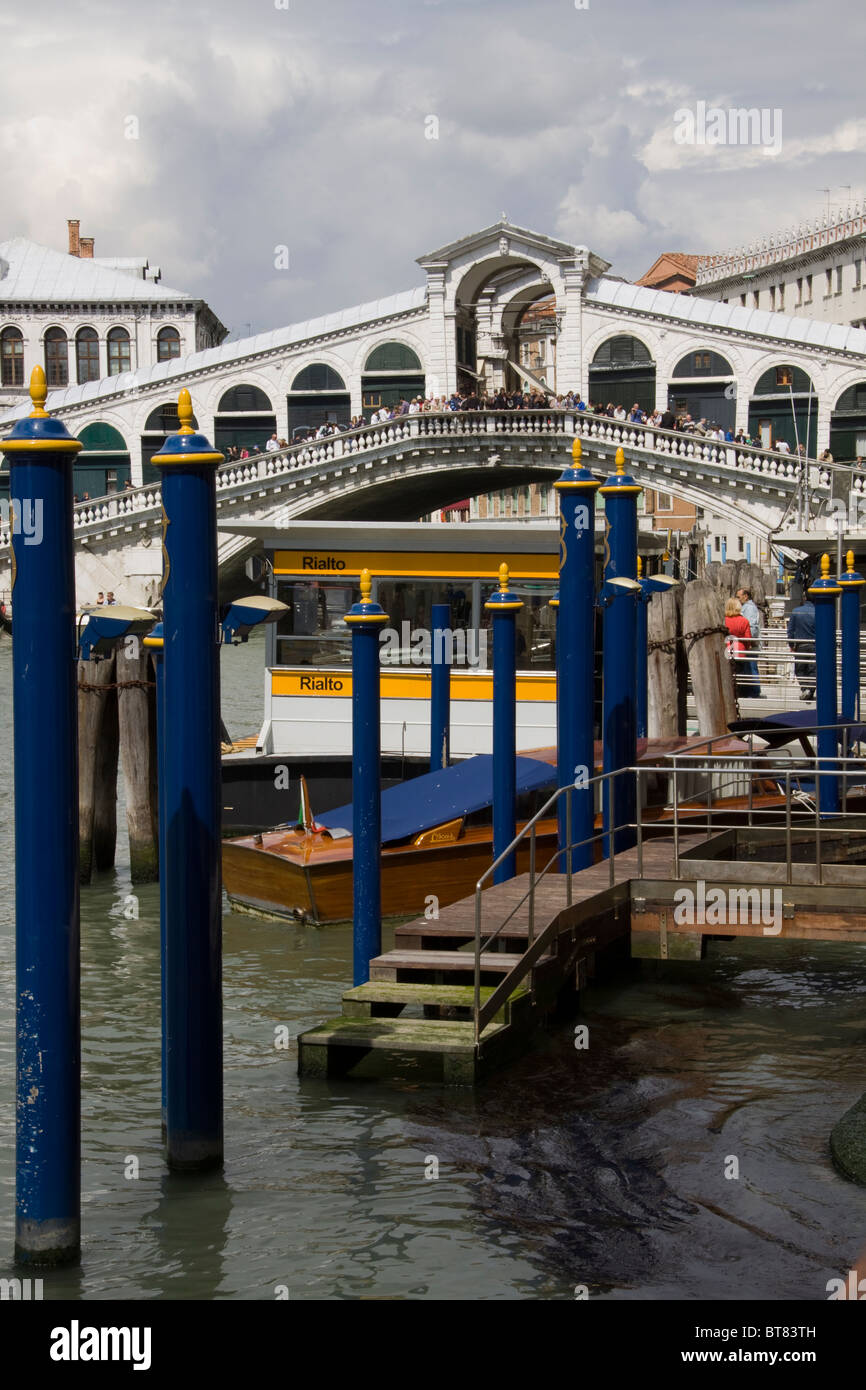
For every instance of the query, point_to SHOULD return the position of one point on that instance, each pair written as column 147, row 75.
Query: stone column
column 437, row 377
column 569, row 374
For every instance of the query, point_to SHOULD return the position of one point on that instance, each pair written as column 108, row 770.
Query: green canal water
column 604, row 1167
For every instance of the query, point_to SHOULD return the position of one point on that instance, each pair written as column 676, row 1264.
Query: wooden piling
column 97, row 718
column 105, row 785
column 711, row 672
column 137, row 721
column 662, row 635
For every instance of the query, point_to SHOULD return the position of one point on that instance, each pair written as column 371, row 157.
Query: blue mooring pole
column 47, row 924
column 440, row 687
column 154, row 643
column 192, row 1022
column 619, row 653
column 365, row 619
column 850, row 583
column 575, row 658
column 503, row 607
column 824, row 593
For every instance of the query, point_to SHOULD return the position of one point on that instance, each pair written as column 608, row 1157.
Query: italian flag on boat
column 306, row 820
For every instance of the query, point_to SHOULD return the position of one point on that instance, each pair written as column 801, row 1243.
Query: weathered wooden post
column 824, row 593
column 575, row 658
column 192, row 800
column 850, row 583
column 137, row 727
column 619, row 655
column 662, row 693
column 654, row 584
column 97, row 765
column 704, row 636
column 41, row 451
column 440, row 687
column 503, row 607
column 365, row 618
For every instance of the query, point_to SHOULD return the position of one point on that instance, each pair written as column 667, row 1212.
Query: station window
column 808, row 289
column 12, row 357
column 536, row 624
column 56, row 357
column 664, row 502
column 119, row 352
column 839, row 279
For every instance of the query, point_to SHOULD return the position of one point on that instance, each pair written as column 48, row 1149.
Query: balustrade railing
column 699, row 453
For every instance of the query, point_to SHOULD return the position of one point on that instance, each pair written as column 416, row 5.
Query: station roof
column 34, row 274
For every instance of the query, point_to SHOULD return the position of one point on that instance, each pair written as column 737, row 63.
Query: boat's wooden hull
column 320, row 891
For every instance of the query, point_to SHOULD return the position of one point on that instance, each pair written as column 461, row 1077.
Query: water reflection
column 603, row 1168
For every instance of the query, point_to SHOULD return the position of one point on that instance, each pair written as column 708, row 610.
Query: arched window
column 318, row 377
column 240, row 400
column 102, row 438
column 56, row 357
column 167, row 344
column 87, row 355
column 781, row 381
column 393, row 357
column 12, row 357
column 165, row 420
column 703, row 363
column 119, row 352
column 621, row 351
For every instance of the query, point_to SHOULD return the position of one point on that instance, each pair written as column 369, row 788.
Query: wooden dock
column 416, row 1015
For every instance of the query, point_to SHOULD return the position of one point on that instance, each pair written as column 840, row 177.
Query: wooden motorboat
column 437, row 839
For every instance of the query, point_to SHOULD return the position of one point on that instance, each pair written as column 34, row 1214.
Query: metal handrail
column 788, row 770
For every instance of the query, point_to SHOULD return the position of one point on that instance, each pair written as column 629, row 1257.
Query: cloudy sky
column 207, row 135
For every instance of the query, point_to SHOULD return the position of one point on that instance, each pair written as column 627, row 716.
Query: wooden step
column 386, row 998
column 399, row 1034
column 446, row 962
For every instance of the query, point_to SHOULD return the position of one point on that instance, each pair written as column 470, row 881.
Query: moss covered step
column 400, row 1034
column 388, row 997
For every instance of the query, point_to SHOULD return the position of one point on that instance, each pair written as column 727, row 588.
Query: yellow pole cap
column 38, row 392
column 503, row 578
column 577, row 452
column 639, row 567
column 619, row 460
column 825, row 566
column 366, row 586
column 849, row 561
column 184, row 410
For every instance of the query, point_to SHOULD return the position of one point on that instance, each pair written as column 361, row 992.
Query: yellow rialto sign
column 411, row 564
column 405, row 684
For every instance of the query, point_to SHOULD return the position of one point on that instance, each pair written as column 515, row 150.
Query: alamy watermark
column 740, row 125
column 414, row 646
column 23, row 517
column 728, row 907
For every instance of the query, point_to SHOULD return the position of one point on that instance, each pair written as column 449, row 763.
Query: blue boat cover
column 422, row 802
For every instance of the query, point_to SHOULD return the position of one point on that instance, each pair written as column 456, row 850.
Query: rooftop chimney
column 86, row 245
column 74, row 246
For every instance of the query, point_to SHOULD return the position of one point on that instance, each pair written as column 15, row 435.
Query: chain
column 669, row 644
column 119, row 685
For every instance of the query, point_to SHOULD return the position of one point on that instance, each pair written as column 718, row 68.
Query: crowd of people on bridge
column 678, row 422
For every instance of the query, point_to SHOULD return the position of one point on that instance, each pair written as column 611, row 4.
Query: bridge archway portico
column 458, row 275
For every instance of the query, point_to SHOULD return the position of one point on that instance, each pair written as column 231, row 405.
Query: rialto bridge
column 416, row 464
column 770, row 374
